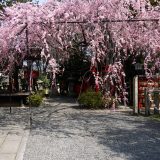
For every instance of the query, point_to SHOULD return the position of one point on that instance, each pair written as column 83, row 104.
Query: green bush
column 109, row 100
column 46, row 81
column 91, row 99
column 41, row 93
column 35, row 99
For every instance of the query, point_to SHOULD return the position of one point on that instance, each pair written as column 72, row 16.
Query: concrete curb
column 22, row 146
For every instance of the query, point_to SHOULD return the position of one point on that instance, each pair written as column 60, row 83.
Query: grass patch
column 155, row 117
column 91, row 99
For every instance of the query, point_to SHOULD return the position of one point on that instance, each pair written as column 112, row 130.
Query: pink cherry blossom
column 111, row 29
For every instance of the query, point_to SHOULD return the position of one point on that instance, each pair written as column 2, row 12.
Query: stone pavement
column 13, row 133
column 12, row 142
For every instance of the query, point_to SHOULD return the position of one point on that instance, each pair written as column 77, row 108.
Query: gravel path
column 62, row 131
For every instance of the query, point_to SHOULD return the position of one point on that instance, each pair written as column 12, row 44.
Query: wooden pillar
column 15, row 79
column 147, row 102
column 156, row 102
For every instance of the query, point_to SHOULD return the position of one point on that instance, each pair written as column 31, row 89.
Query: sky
column 41, row 1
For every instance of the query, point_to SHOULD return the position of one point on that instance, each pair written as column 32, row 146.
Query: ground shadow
column 125, row 136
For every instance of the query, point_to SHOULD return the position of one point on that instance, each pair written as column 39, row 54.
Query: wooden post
column 156, row 102
column 15, row 78
column 10, row 107
column 147, row 103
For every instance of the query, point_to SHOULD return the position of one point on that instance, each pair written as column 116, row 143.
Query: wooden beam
column 109, row 21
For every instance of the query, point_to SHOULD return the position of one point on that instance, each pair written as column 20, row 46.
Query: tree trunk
column 15, row 78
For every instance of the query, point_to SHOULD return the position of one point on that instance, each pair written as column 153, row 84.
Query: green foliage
column 41, row 93
column 46, row 81
column 108, row 101
column 91, row 99
column 155, row 117
column 5, row 3
column 35, row 99
column 154, row 2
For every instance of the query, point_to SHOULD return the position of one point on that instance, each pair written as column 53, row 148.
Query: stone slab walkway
column 13, row 133
column 12, row 142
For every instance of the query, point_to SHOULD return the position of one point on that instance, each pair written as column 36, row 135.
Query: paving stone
column 14, row 137
column 1, row 140
column 22, row 146
column 7, row 156
column 12, row 133
column 10, row 146
column 3, row 133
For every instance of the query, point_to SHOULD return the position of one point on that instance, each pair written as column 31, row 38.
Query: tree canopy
column 5, row 3
column 108, row 31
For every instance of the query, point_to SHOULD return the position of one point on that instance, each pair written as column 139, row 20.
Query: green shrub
column 91, row 99
column 41, row 93
column 35, row 99
column 46, row 81
column 109, row 100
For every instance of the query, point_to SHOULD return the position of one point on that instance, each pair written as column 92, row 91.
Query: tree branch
column 110, row 21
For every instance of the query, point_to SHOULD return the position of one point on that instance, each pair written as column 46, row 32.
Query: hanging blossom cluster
column 54, row 67
column 20, row 31
column 111, row 30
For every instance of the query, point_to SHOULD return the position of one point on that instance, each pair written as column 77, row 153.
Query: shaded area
column 60, row 131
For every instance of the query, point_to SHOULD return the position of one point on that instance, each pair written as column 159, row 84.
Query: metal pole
column 30, row 88
column 30, row 78
column 10, row 88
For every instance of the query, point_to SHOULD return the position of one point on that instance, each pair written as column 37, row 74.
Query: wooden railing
column 9, row 99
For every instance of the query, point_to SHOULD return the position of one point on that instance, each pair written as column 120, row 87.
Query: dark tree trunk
column 15, row 79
